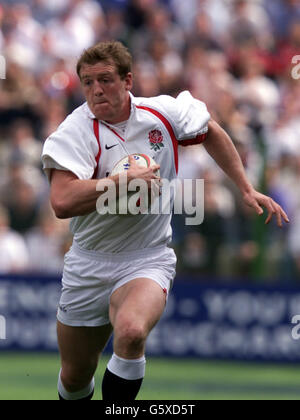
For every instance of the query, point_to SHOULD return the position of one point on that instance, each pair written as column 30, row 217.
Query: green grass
column 34, row 377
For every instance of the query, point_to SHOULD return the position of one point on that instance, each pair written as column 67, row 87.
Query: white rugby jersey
column 90, row 149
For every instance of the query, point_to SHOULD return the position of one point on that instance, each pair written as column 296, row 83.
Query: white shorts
column 90, row 278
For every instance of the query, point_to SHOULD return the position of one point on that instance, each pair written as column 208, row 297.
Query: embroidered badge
column 156, row 140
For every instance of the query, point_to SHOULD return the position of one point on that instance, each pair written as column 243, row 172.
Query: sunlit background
column 237, row 288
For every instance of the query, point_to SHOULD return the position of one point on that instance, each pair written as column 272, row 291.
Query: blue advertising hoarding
column 229, row 322
column 203, row 320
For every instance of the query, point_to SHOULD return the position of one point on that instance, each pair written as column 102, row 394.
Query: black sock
column 115, row 388
column 88, row 398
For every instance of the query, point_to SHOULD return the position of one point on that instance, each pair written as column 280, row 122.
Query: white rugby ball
column 141, row 159
column 124, row 202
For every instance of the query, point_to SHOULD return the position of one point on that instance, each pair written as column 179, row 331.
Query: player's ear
column 129, row 81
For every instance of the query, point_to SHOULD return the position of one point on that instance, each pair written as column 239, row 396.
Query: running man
column 119, row 271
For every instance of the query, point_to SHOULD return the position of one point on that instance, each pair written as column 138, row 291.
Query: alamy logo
column 2, row 67
column 296, row 68
column 2, row 328
column 136, row 197
column 296, row 329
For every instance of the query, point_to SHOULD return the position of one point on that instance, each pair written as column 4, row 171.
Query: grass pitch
column 34, row 377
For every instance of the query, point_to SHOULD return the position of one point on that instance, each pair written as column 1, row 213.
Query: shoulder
column 73, row 145
column 80, row 117
column 175, row 108
column 187, row 115
column 162, row 101
column 75, row 126
column 74, row 133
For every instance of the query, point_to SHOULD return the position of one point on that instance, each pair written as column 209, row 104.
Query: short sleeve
column 189, row 117
column 71, row 148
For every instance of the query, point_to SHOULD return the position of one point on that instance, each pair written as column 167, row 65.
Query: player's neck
column 124, row 114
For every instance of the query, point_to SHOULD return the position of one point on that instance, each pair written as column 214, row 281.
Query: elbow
column 61, row 213
column 61, row 209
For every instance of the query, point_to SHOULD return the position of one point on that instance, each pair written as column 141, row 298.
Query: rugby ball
column 141, row 159
column 124, row 205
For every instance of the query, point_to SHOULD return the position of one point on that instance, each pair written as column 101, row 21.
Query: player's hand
column 136, row 171
column 259, row 201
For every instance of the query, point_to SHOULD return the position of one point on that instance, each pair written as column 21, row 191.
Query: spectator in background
column 44, row 10
column 202, row 246
column 136, row 12
column 76, row 28
column 20, row 199
column 116, row 27
column 257, row 93
column 21, row 143
column 169, row 65
column 146, row 82
column 1, row 21
column 48, row 242
column 114, row 4
column 16, row 173
column 20, row 97
column 201, row 33
column 288, row 48
column 158, row 25
column 159, row 44
column 23, row 34
column 234, row 55
column 282, row 13
column 249, row 22
column 13, row 253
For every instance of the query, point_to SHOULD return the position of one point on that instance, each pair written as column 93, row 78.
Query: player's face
column 106, row 93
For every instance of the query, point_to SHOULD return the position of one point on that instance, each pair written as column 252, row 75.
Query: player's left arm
column 221, row 148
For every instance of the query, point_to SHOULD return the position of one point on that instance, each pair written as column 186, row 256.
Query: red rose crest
column 156, row 140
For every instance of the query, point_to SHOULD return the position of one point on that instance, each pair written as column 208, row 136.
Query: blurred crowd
column 235, row 55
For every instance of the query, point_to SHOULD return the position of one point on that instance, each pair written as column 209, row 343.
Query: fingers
column 259, row 210
column 271, row 212
column 149, row 174
column 131, row 160
column 284, row 216
column 155, row 168
column 274, row 210
column 280, row 215
column 258, row 201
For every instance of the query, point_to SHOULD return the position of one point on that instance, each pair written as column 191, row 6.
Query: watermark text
column 296, row 68
column 2, row 67
column 184, row 197
column 2, row 328
column 296, row 329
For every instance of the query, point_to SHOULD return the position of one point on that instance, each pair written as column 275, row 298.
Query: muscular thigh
column 81, row 346
column 141, row 300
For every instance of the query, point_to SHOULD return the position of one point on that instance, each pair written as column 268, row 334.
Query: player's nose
column 98, row 90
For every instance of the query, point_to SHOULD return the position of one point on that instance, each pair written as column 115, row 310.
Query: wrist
column 246, row 189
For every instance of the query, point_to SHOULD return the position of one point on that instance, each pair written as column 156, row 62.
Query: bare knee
column 76, row 378
column 130, row 338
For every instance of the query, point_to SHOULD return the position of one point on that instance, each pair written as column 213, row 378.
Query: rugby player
column 119, row 270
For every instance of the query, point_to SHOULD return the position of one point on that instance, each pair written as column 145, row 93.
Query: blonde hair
column 110, row 51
